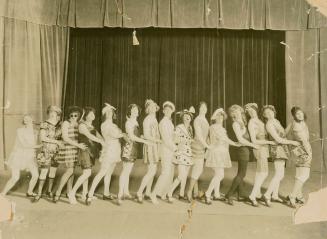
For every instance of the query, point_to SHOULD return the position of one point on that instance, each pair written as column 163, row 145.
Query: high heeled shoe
column 109, row 197
column 49, row 195
column 207, row 200
column 220, row 198
column 170, row 199
column 55, row 198
column 253, row 202
column 291, row 201
column 139, row 198
column 267, row 201
column 229, row 201
column 300, row 200
column 182, row 198
column 88, row 200
column 119, row 201
column 278, row 199
column 32, row 195
column 36, row 198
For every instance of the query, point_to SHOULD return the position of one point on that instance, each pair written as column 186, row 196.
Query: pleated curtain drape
column 306, row 85
column 185, row 66
column 32, row 68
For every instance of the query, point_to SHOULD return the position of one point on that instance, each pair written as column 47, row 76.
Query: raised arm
column 199, row 134
column 239, row 136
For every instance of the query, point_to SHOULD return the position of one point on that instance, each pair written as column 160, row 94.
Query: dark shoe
column 182, row 198
column 49, row 195
column 221, row 198
column 55, row 198
column 229, row 201
column 108, row 198
column 241, row 199
column 36, row 198
column 147, row 197
column 300, row 200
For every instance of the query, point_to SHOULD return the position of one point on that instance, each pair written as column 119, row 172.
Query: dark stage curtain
column 185, row 66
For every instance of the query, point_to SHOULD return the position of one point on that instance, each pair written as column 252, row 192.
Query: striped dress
column 68, row 153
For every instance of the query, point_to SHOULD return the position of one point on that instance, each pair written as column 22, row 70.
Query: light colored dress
column 198, row 149
column 183, row 139
column 151, row 130
column 279, row 151
column 111, row 151
column 300, row 132
column 262, row 153
column 22, row 156
column 166, row 129
column 218, row 156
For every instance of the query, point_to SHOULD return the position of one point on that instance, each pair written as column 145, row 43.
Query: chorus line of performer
column 190, row 146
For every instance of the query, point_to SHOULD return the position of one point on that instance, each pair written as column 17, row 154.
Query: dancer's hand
column 82, row 146
column 295, row 143
column 271, row 143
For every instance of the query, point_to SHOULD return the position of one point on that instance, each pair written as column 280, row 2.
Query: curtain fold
column 304, row 69
column 32, row 66
column 231, row 14
column 185, row 66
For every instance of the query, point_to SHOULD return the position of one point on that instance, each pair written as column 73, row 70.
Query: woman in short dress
column 49, row 135
column 298, row 131
column 239, row 125
column 258, row 135
column 22, row 157
column 111, row 152
column 67, row 155
column 150, row 152
column 183, row 159
column 217, row 156
column 199, row 146
column 89, row 136
column 279, row 153
column 131, row 151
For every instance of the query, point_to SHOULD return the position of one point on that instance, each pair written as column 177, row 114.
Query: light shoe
column 71, row 198
column 154, row 199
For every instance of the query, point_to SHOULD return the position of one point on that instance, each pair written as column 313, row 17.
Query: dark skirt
column 85, row 159
column 243, row 153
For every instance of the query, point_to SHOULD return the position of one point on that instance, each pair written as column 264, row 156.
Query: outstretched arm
column 239, row 136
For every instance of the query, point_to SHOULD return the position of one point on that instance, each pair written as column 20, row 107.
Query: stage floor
column 104, row 219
